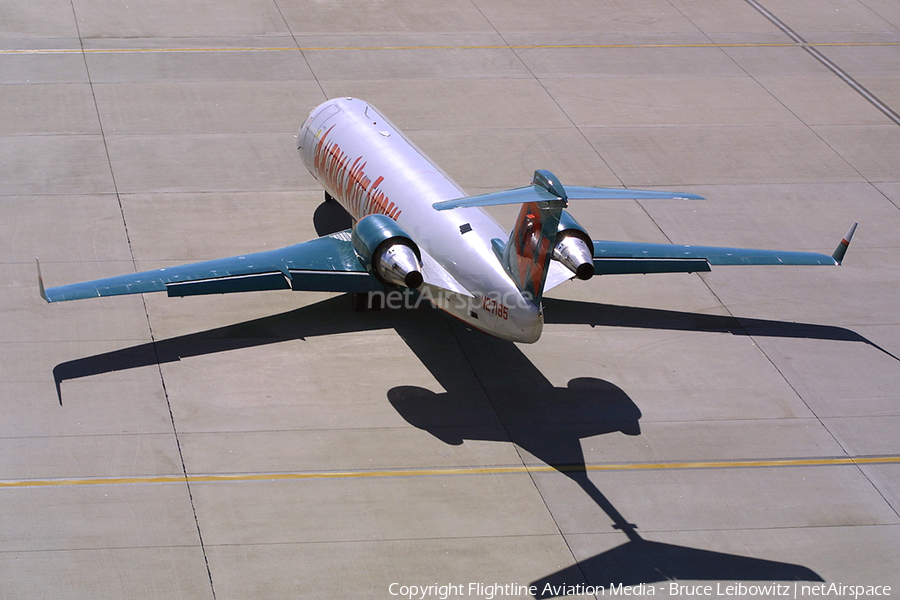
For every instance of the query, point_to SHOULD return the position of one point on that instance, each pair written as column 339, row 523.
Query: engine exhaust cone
column 399, row 265
column 414, row 279
column 574, row 253
column 585, row 271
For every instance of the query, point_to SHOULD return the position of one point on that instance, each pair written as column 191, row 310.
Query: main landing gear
column 366, row 300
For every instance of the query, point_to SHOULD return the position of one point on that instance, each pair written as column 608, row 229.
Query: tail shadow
column 641, row 561
column 548, row 422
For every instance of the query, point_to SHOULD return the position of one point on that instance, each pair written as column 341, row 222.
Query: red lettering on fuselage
column 346, row 178
column 495, row 308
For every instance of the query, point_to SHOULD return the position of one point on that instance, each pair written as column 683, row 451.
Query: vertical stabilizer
column 526, row 256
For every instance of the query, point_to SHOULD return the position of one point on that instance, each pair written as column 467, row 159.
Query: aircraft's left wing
column 612, row 258
column 326, row 264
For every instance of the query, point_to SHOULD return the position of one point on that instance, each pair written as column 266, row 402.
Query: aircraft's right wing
column 614, row 258
column 328, row 264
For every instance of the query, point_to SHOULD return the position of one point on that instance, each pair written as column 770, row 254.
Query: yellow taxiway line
column 498, row 470
column 435, row 47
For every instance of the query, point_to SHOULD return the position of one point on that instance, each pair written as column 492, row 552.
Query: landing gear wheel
column 359, row 301
column 366, row 300
column 376, row 301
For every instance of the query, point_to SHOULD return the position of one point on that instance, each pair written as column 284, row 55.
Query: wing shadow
column 609, row 315
column 329, row 317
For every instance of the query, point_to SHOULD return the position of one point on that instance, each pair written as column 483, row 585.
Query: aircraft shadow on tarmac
column 550, row 423
column 493, row 392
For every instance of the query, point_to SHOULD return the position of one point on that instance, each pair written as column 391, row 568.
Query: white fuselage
column 368, row 165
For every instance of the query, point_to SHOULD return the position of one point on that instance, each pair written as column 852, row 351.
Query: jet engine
column 387, row 251
column 574, row 247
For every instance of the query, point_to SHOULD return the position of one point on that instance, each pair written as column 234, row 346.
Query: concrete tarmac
column 736, row 428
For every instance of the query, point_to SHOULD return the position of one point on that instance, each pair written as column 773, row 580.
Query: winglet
column 41, row 280
column 841, row 250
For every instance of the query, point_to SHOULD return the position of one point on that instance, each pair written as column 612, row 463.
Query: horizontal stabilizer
column 595, row 193
column 530, row 194
column 546, row 187
column 514, row 196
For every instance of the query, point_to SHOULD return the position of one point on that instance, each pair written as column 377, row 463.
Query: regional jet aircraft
column 416, row 232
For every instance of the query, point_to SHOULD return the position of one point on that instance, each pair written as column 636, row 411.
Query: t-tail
column 542, row 231
column 527, row 253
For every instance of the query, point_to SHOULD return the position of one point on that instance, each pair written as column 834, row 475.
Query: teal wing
column 327, row 264
column 611, row 258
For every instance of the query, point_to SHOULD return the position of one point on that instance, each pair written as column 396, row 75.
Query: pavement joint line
column 825, row 61
column 445, row 471
column 440, row 47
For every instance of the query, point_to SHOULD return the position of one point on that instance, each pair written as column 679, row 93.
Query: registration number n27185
column 495, row 308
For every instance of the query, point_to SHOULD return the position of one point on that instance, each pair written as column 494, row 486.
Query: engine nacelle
column 387, row 251
column 574, row 247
